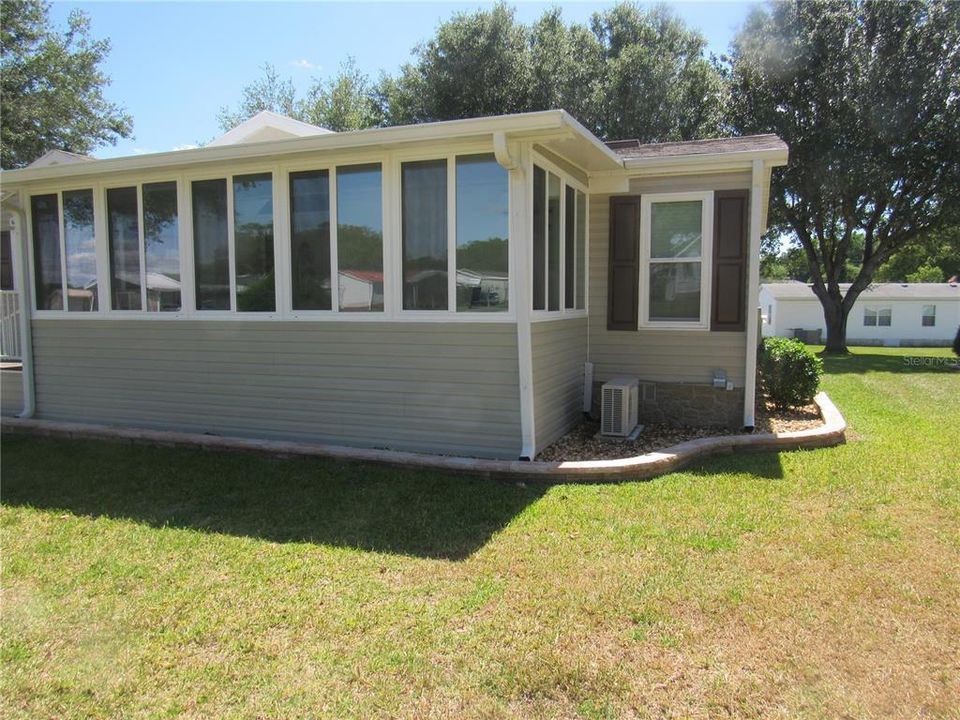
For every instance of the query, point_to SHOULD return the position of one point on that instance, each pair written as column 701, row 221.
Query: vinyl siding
column 650, row 354
column 559, row 350
column 431, row 387
column 11, row 392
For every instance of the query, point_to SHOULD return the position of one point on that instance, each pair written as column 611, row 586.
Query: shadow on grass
column 418, row 513
column 764, row 465
column 910, row 362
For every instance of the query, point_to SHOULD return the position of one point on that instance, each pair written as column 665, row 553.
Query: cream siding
column 559, row 350
column 652, row 354
column 433, row 387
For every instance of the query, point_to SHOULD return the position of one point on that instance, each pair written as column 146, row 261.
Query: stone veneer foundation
column 692, row 404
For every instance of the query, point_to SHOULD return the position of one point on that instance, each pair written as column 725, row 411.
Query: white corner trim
column 753, row 291
column 502, row 153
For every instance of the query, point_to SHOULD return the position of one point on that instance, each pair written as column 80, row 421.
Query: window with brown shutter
column 730, row 260
column 624, row 261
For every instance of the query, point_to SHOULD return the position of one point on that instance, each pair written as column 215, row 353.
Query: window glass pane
column 161, row 239
column 253, row 242
column 45, row 219
column 211, row 256
column 553, row 242
column 424, row 190
column 123, row 232
column 80, row 250
column 869, row 317
column 482, row 232
column 539, row 239
column 569, row 248
column 310, row 240
column 675, row 229
column 360, row 238
column 675, row 291
column 581, row 250
column 929, row 316
column 884, row 317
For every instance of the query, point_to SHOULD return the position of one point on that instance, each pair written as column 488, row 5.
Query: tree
column 52, row 86
column 657, row 85
column 270, row 92
column 866, row 95
column 938, row 251
column 344, row 102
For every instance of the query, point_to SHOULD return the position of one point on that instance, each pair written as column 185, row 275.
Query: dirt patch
column 583, row 443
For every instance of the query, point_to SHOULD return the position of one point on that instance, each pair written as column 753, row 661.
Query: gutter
column 22, row 273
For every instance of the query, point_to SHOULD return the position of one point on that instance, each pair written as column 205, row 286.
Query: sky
column 174, row 65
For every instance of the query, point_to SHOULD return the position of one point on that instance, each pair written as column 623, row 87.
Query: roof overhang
column 555, row 129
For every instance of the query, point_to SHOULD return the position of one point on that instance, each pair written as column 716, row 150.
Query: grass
column 158, row 582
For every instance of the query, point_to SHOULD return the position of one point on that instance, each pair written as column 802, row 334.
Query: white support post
column 20, row 251
column 521, row 247
column 753, row 290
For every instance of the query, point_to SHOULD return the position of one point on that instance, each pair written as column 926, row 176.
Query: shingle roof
column 633, row 149
column 877, row 291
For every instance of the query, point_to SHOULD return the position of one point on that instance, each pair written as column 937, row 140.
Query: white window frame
column 278, row 215
column 705, row 259
column 99, row 229
column 932, row 315
column 877, row 312
column 113, row 185
column 396, row 266
column 566, row 180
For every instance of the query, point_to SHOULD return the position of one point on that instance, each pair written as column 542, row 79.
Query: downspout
column 21, row 271
column 753, row 290
column 519, row 247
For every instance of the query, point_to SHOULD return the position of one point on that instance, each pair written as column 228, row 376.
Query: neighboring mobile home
column 455, row 287
column 913, row 314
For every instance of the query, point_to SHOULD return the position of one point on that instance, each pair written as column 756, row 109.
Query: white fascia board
column 711, row 162
column 522, row 124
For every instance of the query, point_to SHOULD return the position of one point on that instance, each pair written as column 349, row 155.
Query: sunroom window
column 476, row 256
column 144, row 266
column 675, row 242
column 65, row 272
column 251, row 287
column 559, row 243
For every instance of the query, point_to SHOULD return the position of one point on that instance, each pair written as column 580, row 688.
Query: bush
column 956, row 343
column 789, row 372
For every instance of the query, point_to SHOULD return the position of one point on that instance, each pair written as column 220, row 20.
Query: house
column 456, row 287
column 910, row 314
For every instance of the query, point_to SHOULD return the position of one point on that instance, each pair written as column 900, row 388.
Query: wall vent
column 619, row 398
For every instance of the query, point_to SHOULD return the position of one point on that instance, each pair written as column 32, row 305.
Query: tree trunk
column 835, row 316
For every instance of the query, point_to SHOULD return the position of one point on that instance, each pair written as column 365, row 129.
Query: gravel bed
column 582, row 442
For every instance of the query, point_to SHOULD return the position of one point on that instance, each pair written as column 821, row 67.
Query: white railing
column 10, row 324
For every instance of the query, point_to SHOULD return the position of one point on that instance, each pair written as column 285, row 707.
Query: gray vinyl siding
column 432, row 387
column 651, row 354
column 11, row 392
column 559, row 350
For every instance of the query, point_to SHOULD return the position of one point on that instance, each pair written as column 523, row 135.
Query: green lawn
column 155, row 582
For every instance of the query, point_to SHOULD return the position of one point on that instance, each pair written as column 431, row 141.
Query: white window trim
column 451, row 314
column 565, row 180
column 104, row 188
column 705, row 260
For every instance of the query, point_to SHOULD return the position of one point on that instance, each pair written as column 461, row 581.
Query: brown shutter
column 729, row 260
column 624, row 264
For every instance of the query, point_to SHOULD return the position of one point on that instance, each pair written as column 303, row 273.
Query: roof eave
column 774, row 157
column 526, row 124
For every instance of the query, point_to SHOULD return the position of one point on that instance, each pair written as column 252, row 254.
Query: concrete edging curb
column 832, row 432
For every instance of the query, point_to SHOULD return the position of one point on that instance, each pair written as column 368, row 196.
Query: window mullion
column 141, row 239
column 451, row 233
column 334, row 235
column 64, row 299
column 231, row 250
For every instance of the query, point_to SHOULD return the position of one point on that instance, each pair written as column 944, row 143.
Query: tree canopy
column 630, row 73
column 867, row 96
column 51, row 85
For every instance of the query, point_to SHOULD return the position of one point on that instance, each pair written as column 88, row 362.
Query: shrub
column 789, row 372
column 956, row 343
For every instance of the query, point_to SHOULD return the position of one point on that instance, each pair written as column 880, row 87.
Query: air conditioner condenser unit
column 619, row 406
